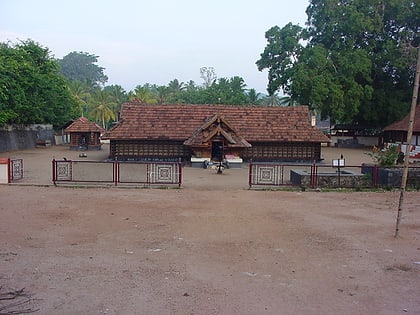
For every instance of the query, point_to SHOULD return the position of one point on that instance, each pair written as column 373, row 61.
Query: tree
column 354, row 61
column 81, row 93
column 208, row 74
column 103, row 107
column 254, row 98
column 175, row 90
column 143, row 94
column 117, row 94
column 224, row 91
column 272, row 100
column 31, row 88
column 162, row 94
column 81, row 66
column 280, row 55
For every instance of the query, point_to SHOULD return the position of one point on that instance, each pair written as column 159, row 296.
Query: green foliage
column 102, row 107
column 80, row 66
column 226, row 91
column 387, row 157
column 144, row 94
column 354, row 61
column 280, row 54
column 231, row 91
column 31, row 88
column 117, row 95
column 254, row 98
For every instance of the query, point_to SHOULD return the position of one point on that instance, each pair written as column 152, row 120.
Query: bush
column 387, row 157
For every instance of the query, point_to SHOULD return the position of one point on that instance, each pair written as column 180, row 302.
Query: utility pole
column 408, row 143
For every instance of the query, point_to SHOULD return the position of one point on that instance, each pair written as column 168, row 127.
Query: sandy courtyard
column 211, row 247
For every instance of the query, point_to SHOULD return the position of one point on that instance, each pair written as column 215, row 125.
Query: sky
column 155, row 41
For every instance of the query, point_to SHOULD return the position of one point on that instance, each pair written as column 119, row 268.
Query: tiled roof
column 180, row 122
column 82, row 124
column 216, row 125
column 402, row 125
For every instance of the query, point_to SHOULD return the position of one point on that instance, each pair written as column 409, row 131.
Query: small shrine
column 84, row 134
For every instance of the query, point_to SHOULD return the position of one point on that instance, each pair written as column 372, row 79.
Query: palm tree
column 162, row 93
column 81, row 93
column 117, row 94
column 103, row 107
column 287, row 101
column 254, row 97
column 175, row 86
column 143, row 94
column 276, row 100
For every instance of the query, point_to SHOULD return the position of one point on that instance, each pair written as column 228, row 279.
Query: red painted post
column 54, row 172
column 375, row 176
column 180, row 173
column 250, row 174
column 314, row 175
column 9, row 171
column 116, row 172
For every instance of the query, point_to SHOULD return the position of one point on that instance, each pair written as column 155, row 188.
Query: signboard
column 338, row 163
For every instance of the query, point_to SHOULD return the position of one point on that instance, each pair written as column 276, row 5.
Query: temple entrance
column 84, row 141
column 217, row 151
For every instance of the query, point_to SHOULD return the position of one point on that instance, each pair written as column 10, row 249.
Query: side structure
column 396, row 133
column 214, row 132
column 84, row 134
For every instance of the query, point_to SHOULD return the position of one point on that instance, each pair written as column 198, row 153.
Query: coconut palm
column 276, row 100
column 143, row 94
column 254, row 97
column 175, row 86
column 103, row 107
column 81, row 93
column 162, row 94
column 117, row 94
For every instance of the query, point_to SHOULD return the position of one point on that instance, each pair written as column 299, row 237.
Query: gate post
column 179, row 172
column 54, row 175
column 116, row 170
column 314, row 175
column 250, row 174
column 375, row 173
column 9, row 171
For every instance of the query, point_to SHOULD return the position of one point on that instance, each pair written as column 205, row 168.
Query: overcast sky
column 155, row 41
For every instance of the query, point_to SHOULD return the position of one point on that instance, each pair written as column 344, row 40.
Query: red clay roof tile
column 180, row 121
column 82, row 124
column 402, row 125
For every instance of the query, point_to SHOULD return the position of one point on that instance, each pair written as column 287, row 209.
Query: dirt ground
column 211, row 247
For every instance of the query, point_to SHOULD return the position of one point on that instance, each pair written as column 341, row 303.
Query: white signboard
column 338, row 163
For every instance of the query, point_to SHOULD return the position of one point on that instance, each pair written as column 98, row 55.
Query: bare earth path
column 212, row 247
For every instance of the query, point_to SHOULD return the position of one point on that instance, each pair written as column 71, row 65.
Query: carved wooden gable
column 216, row 128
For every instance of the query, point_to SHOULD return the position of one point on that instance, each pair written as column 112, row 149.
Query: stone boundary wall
column 331, row 180
column 391, row 177
column 14, row 138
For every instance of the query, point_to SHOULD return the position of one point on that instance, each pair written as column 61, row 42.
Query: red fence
column 117, row 172
column 321, row 175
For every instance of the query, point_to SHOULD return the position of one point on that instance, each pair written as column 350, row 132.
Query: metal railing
column 321, row 175
column 117, row 172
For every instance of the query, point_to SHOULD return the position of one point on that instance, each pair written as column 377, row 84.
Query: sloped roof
column 402, row 125
column 216, row 125
column 181, row 121
column 83, row 124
